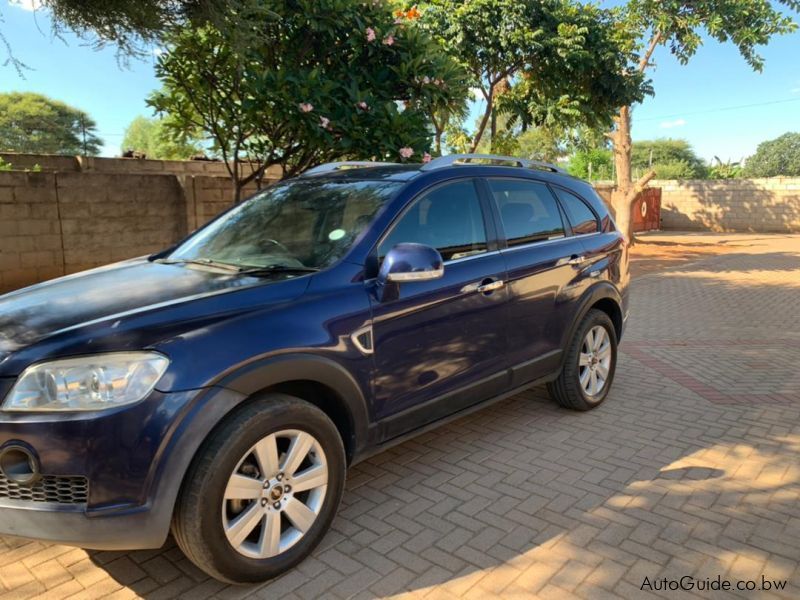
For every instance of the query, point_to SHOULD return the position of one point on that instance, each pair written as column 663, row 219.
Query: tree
column 724, row 170
column 133, row 25
column 780, row 156
column 668, row 158
column 337, row 79
column 154, row 139
column 540, row 63
column 36, row 124
column 680, row 26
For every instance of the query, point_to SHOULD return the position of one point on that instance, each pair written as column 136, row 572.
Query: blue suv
column 220, row 389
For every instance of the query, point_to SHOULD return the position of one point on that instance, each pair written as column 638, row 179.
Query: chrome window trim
column 543, row 242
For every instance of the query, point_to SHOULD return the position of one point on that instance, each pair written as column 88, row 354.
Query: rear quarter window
column 581, row 216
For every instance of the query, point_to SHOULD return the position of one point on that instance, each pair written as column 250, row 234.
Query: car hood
column 32, row 314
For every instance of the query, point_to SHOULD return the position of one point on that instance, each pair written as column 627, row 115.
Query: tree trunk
column 626, row 191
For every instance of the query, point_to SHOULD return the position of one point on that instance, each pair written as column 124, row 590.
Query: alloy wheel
column 275, row 493
column 594, row 362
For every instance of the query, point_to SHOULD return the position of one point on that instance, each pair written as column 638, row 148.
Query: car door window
column 581, row 217
column 448, row 218
column 528, row 211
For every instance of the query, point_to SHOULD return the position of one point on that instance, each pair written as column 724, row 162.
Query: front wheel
column 262, row 491
column 591, row 360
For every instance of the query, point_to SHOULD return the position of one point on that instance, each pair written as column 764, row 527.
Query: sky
column 716, row 101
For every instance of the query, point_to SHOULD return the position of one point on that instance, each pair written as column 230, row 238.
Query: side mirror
column 411, row 262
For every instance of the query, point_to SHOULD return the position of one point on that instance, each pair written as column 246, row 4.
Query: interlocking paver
column 690, row 468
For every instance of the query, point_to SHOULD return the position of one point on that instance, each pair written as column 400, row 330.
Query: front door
column 440, row 345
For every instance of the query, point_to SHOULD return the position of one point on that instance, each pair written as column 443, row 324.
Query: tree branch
column 651, row 47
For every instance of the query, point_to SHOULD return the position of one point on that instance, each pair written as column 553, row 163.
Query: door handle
column 576, row 260
column 491, row 286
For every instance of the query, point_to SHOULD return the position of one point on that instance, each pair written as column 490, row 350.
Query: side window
column 448, row 218
column 528, row 210
column 580, row 216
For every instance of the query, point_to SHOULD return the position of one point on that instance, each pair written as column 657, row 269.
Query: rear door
column 543, row 262
column 440, row 345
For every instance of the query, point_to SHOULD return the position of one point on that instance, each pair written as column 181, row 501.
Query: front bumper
column 134, row 460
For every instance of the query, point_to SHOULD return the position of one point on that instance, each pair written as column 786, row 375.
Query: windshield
column 299, row 224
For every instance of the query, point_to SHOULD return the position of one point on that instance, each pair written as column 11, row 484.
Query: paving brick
column 689, row 468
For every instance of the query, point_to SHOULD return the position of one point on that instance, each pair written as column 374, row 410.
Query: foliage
column 669, row 158
column 681, row 25
column 517, row 53
column 724, row 170
column 324, row 80
column 34, row 123
column 780, row 156
column 154, row 139
column 595, row 164
column 133, row 25
column 5, row 166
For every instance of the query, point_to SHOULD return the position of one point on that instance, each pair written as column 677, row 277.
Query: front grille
column 50, row 488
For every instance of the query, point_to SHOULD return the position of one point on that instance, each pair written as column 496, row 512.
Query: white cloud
column 26, row 4
column 671, row 124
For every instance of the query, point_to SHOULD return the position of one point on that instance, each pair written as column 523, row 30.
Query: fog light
column 19, row 465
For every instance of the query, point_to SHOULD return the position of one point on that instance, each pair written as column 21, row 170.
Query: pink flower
column 406, row 152
column 370, row 34
column 426, row 158
column 324, row 122
column 306, row 107
column 363, row 105
column 389, row 40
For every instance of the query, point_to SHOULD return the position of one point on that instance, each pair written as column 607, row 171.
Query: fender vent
column 50, row 488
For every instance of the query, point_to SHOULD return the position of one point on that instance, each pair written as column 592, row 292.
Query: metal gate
column 646, row 211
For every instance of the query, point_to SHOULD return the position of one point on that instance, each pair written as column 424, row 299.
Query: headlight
column 87, row 383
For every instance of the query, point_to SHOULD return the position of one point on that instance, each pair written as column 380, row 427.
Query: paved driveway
column 691, row 468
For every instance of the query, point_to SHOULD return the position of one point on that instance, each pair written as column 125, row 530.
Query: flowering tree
column 310, row 82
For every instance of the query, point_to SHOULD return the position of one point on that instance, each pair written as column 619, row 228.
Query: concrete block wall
column 30, row 238
column 735, row 205
column 57, row 223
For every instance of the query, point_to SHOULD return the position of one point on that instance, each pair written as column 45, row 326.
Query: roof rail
column 455, row 159
column 345, row 164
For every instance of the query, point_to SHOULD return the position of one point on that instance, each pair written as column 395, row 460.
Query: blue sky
column 709, row 102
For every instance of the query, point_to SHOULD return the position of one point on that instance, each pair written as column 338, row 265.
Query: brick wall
column 746, row 205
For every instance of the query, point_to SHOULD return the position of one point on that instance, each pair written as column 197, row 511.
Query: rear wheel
column 591, row 360
column 262, row 492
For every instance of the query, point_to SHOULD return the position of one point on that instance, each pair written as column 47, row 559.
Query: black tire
column 567, row 389
column 197, row 523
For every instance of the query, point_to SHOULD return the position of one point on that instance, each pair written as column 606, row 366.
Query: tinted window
column 528, row 210
column 580, row 216
column 448, row 218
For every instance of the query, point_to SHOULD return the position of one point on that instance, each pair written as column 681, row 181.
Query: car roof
column 475, row 164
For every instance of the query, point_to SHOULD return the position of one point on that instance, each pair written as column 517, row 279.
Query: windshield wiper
column 206, row 262
column 270, row 269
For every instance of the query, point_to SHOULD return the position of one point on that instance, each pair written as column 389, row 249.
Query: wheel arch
column 318, row 380
column 602, row 296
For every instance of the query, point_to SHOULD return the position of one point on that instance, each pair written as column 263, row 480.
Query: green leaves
column 320, row 81
column 34, row 123
column 780, row 156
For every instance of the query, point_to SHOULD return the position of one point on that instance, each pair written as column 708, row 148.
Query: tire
column 572, row 389
column 227, row 489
